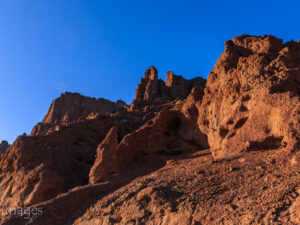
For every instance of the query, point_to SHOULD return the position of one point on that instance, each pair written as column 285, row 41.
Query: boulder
column 251, row 99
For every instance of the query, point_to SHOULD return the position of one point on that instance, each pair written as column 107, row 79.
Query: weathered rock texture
column 153, row 91
column 165, row 134
column 251, row 100
column 70, row 107
column 38, row 168
column 3, row 146
column 60, row 152
column 96, row 163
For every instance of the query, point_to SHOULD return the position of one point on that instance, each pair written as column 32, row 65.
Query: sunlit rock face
column 70, row 107
column 251, row 100
column 153, row 91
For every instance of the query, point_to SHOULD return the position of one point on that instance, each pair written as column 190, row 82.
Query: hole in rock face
column 268, row 143
column 230, row 122
column 240, row 123
column 223, row 132
column 243, row 108
column 232, row 134
column 246, row 98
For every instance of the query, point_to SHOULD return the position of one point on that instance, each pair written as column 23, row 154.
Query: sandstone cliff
column 70, row 107
column 183, row 153
column 60, row 152
column 251, row 100
column 152, row 91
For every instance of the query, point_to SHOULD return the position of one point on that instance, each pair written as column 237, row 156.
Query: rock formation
column 251, row 100
column 161, row 135
column 3, row 146
column 182, row 153
column 70, row 107
column 152, row 91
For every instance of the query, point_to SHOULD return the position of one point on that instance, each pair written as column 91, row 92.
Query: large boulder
column 251, row 100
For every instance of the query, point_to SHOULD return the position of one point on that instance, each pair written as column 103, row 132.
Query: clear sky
column 102, row 48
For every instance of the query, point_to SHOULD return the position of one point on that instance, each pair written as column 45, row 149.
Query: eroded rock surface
column 152, row 163
column 164, row 134
column 251, row 100
column 70, row 107
column 153, row 91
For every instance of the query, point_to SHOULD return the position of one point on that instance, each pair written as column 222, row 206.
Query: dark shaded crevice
column 240, row 123
column 269, row 143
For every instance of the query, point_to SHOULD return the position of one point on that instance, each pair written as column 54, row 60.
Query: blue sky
column 102, row 48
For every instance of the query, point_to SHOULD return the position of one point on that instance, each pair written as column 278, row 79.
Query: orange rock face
column 70, row 107
column 158, row 161
column 153, row 91
column 251, row 100
column 165, row 134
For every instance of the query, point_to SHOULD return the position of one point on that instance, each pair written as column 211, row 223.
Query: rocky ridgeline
column 86, row 148
column 70, row 107
column 153, row 91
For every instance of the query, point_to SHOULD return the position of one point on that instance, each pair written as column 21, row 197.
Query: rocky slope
column 181, row 153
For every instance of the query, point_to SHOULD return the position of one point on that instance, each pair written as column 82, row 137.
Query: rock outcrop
column 3, row 146
column 70, row 107
column 165, row 134
column 251, row 100
column 153, row 91
column 157, row 162
column 38, row 168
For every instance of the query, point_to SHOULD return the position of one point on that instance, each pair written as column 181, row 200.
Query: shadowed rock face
column 251, row 100
column 3, row 146
column 60, row 152
column 38, row 168
column 70, row 107
column 165, row 134
column 152, row 91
